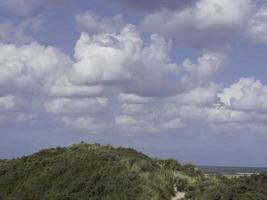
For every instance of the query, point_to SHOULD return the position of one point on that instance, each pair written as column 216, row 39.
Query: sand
column 178, row 195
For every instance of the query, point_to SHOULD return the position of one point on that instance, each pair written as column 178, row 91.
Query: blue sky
column 181, row 79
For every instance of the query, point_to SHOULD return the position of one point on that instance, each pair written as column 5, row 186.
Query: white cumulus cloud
column 29, row 67
column 204, row 24
column 248, row 94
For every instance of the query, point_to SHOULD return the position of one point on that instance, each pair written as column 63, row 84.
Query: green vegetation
column 92, row 172
column 95, row 172
column 223, row 188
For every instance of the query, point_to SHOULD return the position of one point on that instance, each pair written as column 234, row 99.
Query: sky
column 180, row 79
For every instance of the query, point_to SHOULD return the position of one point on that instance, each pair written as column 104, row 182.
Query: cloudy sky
column 185, row 79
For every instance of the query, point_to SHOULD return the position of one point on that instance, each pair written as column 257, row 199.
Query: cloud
column 133, row 109
column 21, row 32
column 20, row 7
column 207, row 23
column 156, row 4
column 120, row 80
column 236, row 109
column 83, row 123
column 24, row 117
column 173, row 124
column 117, row 79
column 17, row 117
column 240, row 107
column 206, row 95
column 29, row 67
column 133, row 98
column 62, row 87
column 100, row 58
column 202, row 72
column 93, row 24
column 76, row 106
column 257, row 27
column 125, row 120
column 87, row 124
column 25, row 7
column 248, row 94
column 123, row 59
column 213, row 114
column 7, row 102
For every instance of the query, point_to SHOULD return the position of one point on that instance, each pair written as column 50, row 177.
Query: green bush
column 83, row 172
column 222, row 188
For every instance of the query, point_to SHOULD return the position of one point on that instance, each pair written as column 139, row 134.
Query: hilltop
column 94, row 172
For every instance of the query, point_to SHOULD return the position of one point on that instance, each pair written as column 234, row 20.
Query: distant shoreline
column 232, row 170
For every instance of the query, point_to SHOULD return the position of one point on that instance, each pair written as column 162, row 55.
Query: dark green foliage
column 95, row 172
column 84, row 172
column 222, row 188
column 181, row 184
column 191, row 170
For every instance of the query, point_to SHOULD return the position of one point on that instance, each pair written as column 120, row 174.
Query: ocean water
column 232, row 170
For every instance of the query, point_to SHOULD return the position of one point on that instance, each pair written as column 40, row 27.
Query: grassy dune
column 92, row 172
column 95, row 172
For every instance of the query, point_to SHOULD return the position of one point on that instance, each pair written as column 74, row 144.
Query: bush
column 85, row 171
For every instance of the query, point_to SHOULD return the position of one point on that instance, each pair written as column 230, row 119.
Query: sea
column 232, row 171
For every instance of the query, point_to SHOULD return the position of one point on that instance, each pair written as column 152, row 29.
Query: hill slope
column 92, row 172
column 236, row 188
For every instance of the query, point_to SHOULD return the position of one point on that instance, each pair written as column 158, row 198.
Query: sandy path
column 178, row 195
